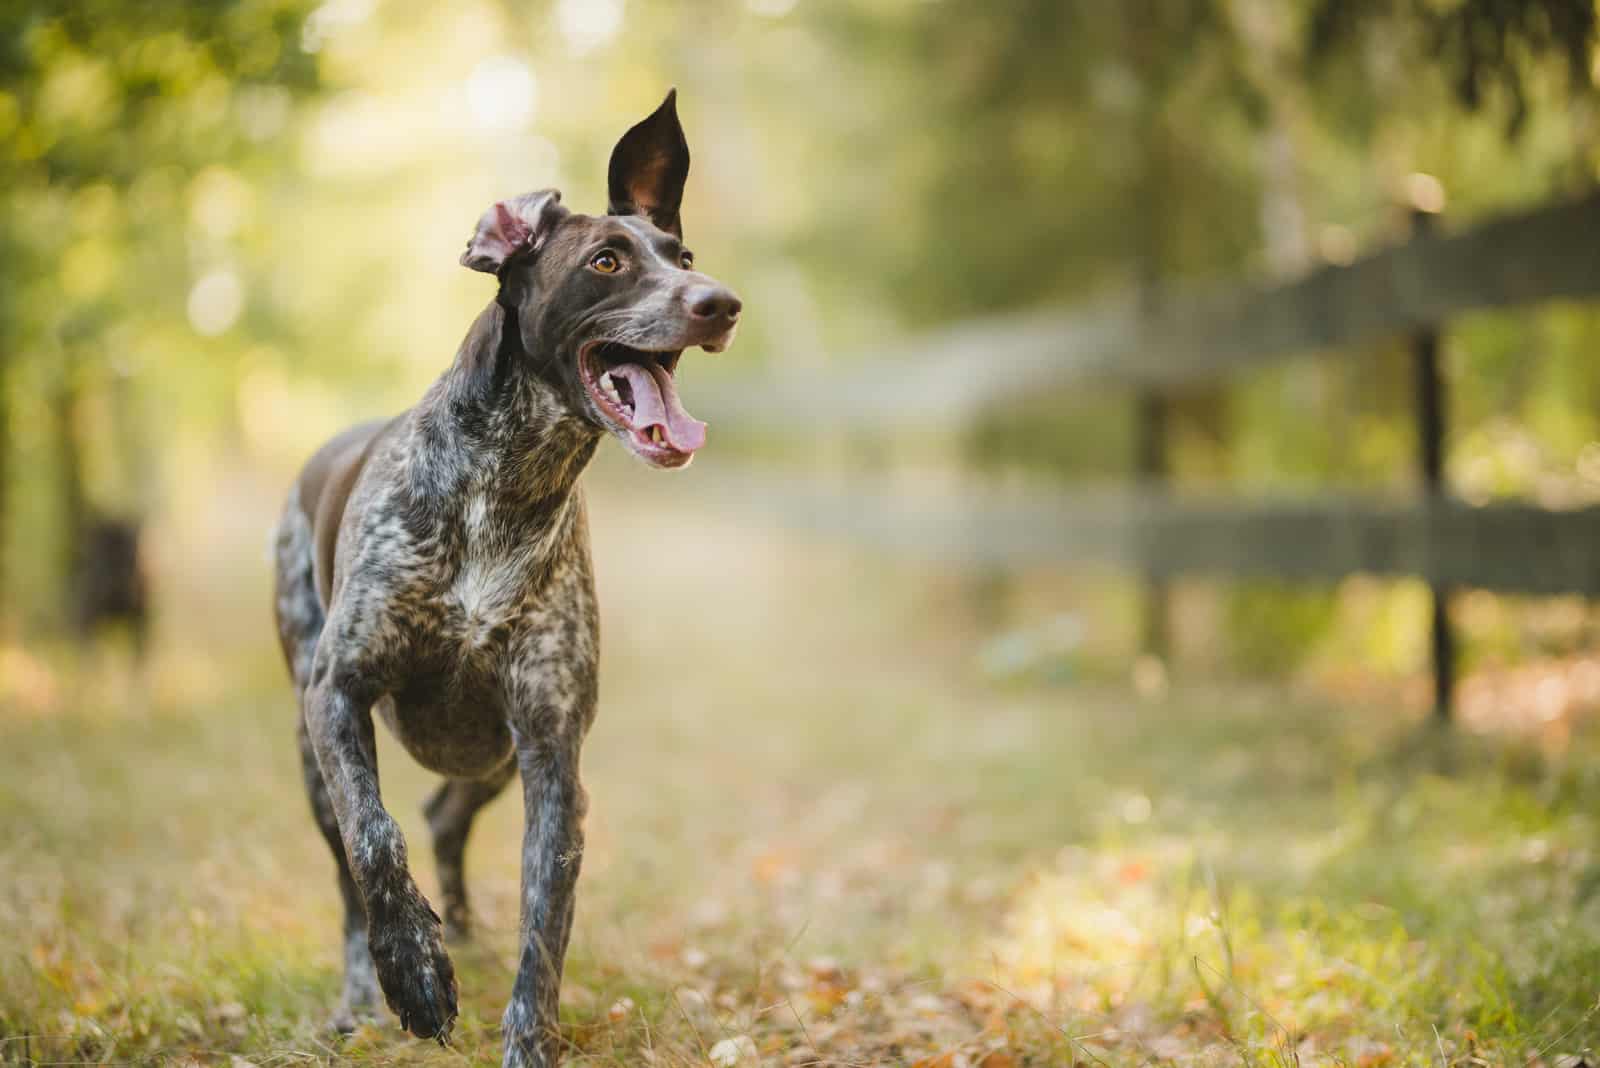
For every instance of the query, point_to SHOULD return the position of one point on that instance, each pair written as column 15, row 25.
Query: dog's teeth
column 655, row 434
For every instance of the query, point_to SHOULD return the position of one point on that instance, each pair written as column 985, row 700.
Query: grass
column 817, row 837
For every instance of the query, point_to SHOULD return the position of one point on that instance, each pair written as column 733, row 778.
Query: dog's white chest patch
column 488, row 592
column 477, row 515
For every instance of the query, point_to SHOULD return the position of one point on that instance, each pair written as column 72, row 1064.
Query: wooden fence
column 1411, row 290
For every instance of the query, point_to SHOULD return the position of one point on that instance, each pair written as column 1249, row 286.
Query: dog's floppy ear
column 649, row 166
column 509, row 227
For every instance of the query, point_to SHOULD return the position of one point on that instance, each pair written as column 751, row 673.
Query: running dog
column 434, row 568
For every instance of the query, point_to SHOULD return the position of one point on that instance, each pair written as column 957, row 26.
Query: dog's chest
column 486, row 598
column 493, row 581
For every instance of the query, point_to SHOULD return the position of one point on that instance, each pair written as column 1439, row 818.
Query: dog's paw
column 361, row 997
column 348, row 1019
column 415, row 972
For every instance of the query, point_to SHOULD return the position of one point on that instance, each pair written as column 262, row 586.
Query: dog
column 434, row 568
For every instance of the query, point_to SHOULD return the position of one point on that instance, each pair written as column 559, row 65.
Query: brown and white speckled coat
column 435, row 568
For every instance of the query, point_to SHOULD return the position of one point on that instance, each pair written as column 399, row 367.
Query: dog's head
column 606, row 304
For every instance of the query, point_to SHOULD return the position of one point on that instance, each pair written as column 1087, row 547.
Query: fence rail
column 1548, row 254
column 1508, row 548
column 1151, row 346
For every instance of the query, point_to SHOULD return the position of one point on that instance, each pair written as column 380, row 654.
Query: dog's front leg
column 552, row 851
column 403, row 932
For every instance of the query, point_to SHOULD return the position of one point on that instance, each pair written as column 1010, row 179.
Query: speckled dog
column 435, row 568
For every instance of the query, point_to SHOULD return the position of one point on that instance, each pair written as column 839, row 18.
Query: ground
column 818, row 836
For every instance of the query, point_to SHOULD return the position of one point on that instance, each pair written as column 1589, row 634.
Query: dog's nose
column 709, row 302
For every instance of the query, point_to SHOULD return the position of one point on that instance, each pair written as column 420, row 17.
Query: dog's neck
column 494, row 419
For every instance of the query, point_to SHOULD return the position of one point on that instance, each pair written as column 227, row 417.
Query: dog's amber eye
column 686, row 260
column 606, row 263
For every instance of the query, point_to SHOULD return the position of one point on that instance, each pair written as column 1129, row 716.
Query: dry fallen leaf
column 1376, row 1057
column 770, row 866
column 825, row 997
column 942, row 1060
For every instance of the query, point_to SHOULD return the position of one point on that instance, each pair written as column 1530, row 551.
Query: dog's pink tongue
column 655, row 403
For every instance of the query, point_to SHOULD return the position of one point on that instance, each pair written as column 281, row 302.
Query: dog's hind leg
column 450, row 812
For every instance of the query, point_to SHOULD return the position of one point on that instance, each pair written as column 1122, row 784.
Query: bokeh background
column 845, row 778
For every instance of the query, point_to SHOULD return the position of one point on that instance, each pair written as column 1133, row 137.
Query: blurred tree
column 1045, row 152
column 1034, row 150
column 867, row 168
column 1486, row 47
column 109, row 114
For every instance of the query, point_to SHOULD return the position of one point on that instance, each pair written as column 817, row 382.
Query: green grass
column 813, row 825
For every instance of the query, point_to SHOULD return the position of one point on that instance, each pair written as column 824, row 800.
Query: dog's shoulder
column 326, row 483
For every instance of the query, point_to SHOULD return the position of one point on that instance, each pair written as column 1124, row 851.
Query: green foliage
column 230, row 227
column 123, row 131
column 1273, row 628
column 1489, row 48
column 1034, row 152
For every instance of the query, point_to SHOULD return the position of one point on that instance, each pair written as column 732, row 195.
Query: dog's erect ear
column 520, row 224
column 649, row 166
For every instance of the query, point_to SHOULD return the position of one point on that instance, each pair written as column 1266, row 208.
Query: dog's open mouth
column 635, row 391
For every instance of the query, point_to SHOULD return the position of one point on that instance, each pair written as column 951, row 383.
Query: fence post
column 1431, row 402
